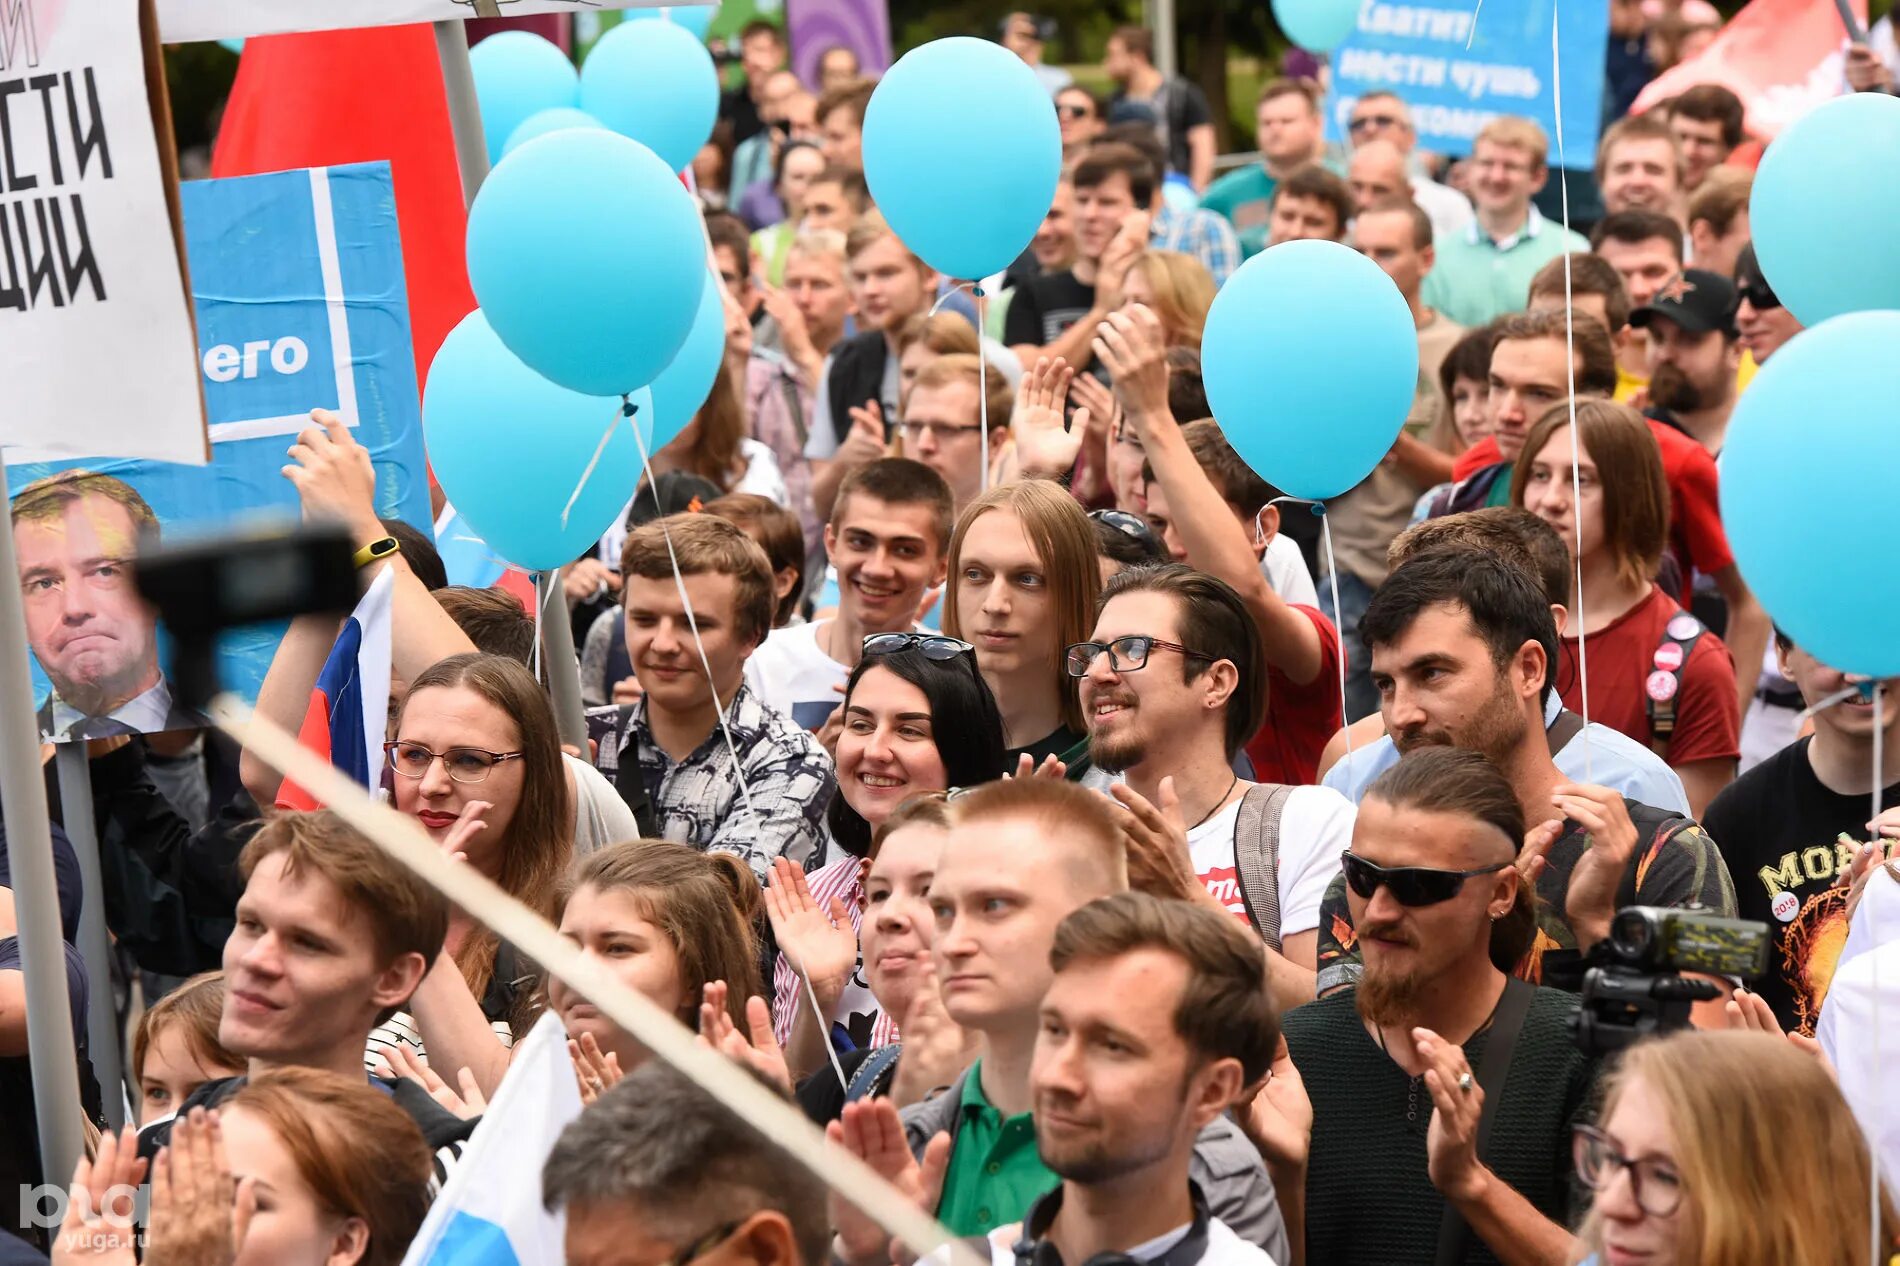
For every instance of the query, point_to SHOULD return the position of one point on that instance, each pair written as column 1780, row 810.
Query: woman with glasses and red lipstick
column 917, row 718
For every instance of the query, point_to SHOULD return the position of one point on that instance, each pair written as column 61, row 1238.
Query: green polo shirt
column 995, row 1173
column 1475, row 279
column 1244, row 197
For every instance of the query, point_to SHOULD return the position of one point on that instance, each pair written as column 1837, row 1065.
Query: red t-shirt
column 1695, row 516
column 1300, row 719
column 1622, row 659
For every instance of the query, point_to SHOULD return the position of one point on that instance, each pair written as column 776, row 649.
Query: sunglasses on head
column 1129, row 525
column 1409, row 885
column 929, row 645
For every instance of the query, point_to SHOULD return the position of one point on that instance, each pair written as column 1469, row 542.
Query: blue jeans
column 1354, row 596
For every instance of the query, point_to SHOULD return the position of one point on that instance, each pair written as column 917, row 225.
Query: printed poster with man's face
column 300, row 302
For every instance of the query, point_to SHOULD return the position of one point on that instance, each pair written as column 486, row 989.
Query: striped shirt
column 858, row 1011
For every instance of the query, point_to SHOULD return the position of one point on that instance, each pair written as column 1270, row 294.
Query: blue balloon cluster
column 1277, row 337
column 696, row 18
column 656, row 83
column 683, row 386
column 1815, row 195
column 569, row 288
column 558, row 119
column 518, row 74
column 1814, row 539
column 1319, row 26
column 969, row 200
column 509, row 448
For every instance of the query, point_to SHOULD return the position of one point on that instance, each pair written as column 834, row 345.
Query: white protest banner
column 180, row 21
column 97, row 353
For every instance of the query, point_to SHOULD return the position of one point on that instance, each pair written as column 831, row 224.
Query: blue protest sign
column 1458, row 66
column 298, row 285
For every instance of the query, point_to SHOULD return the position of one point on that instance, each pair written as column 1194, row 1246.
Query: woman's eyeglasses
column 465, row 764
column 1125, row 654
column 1409, row 885
column 1654, row 1183
column 929, row 645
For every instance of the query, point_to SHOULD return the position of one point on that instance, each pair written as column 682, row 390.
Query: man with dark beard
column 1172, row 685
column 1398, row 1070
column 1693, row 355
column 1462, row 647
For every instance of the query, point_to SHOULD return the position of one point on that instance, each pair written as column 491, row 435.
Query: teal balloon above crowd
column 969, row 200
column 1811, row 528
column 587, row 255
column 517, row 75
column 509, row 449
column 559, row 119
column 1319, row 26
column 1310, row 360
column 656, row 83
column 1827, row 180
column 683, row 385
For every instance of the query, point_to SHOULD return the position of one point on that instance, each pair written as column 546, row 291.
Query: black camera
column 201, row 588
column 1638, row 989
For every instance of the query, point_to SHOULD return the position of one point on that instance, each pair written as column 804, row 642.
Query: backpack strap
column 631, row 783
column 1564, row 729
column 1664, row 681
column 873, row 1073
column 1257, row 857
column 1493, row 1069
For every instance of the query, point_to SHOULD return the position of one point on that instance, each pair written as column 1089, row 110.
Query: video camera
column 1640, row 991
column 201, row 588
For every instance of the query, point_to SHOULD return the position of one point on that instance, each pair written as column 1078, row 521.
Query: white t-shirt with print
column 1315, row 828
column 1285, row 569
column 792, row 674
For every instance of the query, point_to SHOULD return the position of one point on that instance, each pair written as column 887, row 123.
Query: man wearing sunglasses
column 1443, row 1093
column 1383, row 116
column 1462, row 647
column 659, row 1173
column 1172, row 686
column 1765, row 325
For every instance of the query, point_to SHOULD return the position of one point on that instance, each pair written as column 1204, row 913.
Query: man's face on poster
column 92, row 635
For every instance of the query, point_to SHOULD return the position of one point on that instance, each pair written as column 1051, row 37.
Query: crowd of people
column 993, row 763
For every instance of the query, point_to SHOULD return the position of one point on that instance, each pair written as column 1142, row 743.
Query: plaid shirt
column 697, row 801
column 1200, row 233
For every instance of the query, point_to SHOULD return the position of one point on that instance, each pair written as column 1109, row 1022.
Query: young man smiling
column 888, row 537
column 759, row 792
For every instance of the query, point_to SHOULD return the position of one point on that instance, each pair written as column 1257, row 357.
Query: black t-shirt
column 19, row 1124
column 1045, row 307
column 738, row 108
column 1064, row 744
column 1675, row 863
column 1786, row 838
column 1179, row 106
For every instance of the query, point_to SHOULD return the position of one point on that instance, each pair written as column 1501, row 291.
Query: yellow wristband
column 375, row 550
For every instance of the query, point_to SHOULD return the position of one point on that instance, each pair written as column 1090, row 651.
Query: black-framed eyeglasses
column 465, row 764
column 704, row 1244
column 1654, row 1183
column 1125, row 654
column 930, row 645
column 1129, row 525
column 1760, row 298
column 1409, row 885
column 1368, row 121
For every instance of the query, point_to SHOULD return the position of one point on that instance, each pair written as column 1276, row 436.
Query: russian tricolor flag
column 349, row 707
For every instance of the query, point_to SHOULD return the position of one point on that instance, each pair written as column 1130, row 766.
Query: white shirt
column 149, row 712
column 601, row 815
column 1857, row 1027
column 1224, row 1248
column 1285, row 569
column 790, row 673
column 1315, row 828
column 762, row 476
column 1450, row 211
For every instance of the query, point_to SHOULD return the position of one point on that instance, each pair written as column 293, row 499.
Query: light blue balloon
column 1815, row 197
column 696, row 18
column 654, row 82
column 1811, row 528
column 969, row 197
column 518, row 74
column 235, row 46
column 587, row 255
column 558, row 119
column 509, row 447
column 1310, row 359
column 1318, row 26
column 683, row 386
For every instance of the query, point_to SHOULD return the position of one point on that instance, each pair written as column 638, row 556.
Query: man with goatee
column 1410, row 1161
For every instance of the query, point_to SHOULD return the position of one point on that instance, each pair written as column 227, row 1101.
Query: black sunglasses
column 930, row 645
column 1129, row 525
column 1409, row 885
column 1761, row 298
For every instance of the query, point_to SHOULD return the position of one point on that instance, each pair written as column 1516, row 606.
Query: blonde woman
column 1176, row 288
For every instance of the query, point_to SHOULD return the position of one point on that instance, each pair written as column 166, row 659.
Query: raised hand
column 200, row 1213
column 936, row 1047
column 1451, row 1142
column 101, row 1205
column 468, row 1103
column 757, row 1048
column 1045, row 444
column 1533, row 859
column 1158, row 859
column 1590, row 900
column 1278, row 1118
column 1133, row 348
column 866, row 441
column 595, row 1070
column 334, row 477
column 819, row 942
column 871, row 1130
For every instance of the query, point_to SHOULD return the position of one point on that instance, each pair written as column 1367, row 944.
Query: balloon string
column 1332, row 570
column 1873, row 1152
column 982, row 384
column 540, row 601
column 1570, row 361
column 954, row 287
column 625, row 409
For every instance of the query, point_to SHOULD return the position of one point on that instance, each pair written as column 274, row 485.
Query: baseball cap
column 1697, row 300
column 1750, row 283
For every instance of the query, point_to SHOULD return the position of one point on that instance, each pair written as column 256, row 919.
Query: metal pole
column 471, row 155
column 1161, row 20
column 49, row 1030
column 102, row 1018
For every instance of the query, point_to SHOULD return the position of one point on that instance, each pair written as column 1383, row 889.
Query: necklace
column 1217, row 805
